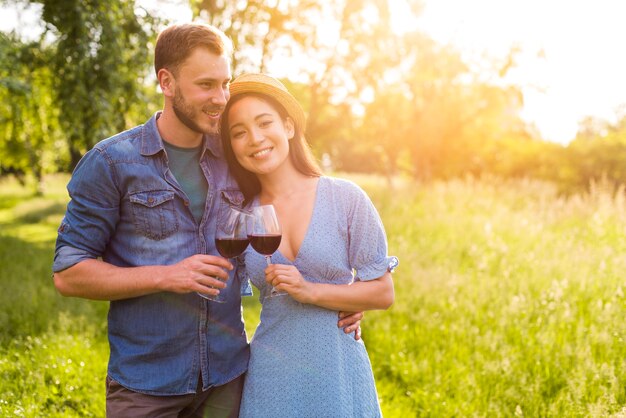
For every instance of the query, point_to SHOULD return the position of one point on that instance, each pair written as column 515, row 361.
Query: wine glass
column 265, row 234
column 231, row 239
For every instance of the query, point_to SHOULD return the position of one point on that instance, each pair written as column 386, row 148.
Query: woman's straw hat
column 269, row 86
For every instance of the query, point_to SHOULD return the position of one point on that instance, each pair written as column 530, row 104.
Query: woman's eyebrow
column 255, row 118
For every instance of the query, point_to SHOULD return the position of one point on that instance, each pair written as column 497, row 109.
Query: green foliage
column 599, row 158
column 29, row 138
column 255, row 27
column 101, row 58
column 85, row 79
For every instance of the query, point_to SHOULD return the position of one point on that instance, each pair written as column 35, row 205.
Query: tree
column 332, row 36
column 100, row 60
column 29, row 140
column 257, row 27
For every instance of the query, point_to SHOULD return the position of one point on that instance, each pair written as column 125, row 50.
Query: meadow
column 509, row 302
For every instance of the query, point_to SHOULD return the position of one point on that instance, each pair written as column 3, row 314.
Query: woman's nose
column 256, row 137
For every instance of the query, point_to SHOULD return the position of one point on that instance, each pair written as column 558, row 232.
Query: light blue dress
column 301, row 363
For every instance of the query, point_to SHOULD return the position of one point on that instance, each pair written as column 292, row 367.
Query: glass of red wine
column 265, row 234
column 231, row 239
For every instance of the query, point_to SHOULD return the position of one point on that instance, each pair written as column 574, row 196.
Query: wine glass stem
column 268, row 260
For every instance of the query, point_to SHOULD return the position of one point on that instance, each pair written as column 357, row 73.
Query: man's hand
column 351, row 322
column 199, row 273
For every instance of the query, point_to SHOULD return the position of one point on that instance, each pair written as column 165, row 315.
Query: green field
column 509, row 302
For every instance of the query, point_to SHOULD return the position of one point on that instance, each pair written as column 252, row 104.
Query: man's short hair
column 177, row 42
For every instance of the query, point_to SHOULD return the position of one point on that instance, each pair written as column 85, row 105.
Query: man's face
column 201, row 91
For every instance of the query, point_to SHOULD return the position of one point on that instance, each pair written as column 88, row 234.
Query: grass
column 53, row 350
column 509, row 302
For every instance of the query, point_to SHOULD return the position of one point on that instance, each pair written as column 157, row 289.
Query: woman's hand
column 288, row 279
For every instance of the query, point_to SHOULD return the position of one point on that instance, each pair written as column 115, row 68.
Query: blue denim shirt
column 127, row 208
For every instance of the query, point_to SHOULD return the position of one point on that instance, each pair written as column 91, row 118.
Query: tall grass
column 509, row 302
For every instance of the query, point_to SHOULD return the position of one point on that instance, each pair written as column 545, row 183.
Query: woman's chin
column 261, row 168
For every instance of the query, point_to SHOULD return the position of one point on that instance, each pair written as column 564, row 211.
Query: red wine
column 231, row 247
column 265, row 244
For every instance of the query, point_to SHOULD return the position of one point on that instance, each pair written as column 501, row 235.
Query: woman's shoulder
column 343, row 185
column 344, row 194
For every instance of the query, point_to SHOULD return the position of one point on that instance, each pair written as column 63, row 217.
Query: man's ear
column 290, row 128
column 167, row 82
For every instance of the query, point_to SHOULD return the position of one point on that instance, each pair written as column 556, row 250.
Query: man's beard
column 185, row 114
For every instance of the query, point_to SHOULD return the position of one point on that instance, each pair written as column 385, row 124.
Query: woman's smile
column 262, row 153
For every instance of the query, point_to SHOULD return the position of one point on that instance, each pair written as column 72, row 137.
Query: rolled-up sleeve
column 92, row 213
column 367, row 239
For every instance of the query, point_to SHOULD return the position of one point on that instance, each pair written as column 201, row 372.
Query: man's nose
column 220, row 97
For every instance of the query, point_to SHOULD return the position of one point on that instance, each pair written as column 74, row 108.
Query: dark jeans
column 219, row 401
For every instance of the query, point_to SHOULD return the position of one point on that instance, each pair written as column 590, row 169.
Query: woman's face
column 258, row 135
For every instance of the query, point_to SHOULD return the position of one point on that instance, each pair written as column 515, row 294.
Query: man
column 139, row 231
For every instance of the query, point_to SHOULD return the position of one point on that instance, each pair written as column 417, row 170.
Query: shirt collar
column 152, row 143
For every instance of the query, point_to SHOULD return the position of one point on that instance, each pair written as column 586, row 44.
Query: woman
column 301, row 364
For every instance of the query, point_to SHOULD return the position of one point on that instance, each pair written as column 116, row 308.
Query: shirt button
column 186, row 202
column 151, row 200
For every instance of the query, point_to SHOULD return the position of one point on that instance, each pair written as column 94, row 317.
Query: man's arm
column 95, row 279
column 351, row 323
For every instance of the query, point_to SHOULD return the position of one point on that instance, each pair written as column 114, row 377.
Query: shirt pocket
column 229, row 198
column 154, row 213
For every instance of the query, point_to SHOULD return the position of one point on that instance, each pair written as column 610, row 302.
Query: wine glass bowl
column 231, row 240
column 265, row 234
column 231, row 237
column 265, row 244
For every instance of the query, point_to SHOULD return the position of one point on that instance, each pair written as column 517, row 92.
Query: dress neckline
column 309, row 227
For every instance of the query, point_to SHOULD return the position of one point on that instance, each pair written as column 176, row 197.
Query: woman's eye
column 265, row 123
column 237, row 134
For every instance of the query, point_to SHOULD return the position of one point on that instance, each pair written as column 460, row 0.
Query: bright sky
column 581, row 72
column 584, row 69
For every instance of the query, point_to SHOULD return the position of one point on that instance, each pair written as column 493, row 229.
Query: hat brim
column 289, row 102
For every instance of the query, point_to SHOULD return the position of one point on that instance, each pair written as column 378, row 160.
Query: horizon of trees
column 377, row 101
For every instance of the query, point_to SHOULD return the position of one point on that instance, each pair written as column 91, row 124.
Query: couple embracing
column 139, row 232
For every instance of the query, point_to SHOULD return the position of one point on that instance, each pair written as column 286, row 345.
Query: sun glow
column 570, row 65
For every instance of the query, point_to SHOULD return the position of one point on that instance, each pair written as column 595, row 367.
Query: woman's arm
column 357, row 296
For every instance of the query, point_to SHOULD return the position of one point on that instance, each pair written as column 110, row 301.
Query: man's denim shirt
column 127, row 208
